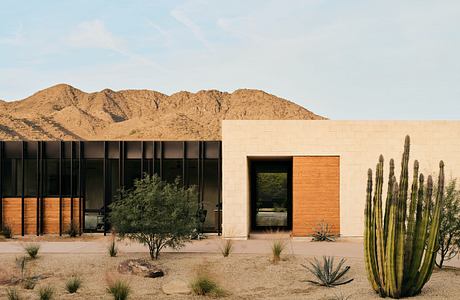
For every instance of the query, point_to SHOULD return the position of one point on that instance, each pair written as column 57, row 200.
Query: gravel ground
column 243, row 276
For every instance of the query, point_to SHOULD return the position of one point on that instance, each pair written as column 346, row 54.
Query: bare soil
column 243, row 276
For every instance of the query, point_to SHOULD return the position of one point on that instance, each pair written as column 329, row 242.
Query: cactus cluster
column 400, row 243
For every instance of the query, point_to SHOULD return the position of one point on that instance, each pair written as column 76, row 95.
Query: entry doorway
column 271, row 194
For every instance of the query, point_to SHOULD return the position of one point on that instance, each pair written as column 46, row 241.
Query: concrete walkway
column 352, row 248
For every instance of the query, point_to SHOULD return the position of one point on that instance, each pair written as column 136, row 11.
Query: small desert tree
column 156, row 213
column 449, row 231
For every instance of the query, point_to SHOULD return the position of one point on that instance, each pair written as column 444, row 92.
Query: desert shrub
column 32, row 250
column 46, row 293
column 73, row 229
column 449, row 229
column 21, row 264
column 156, row 213
column 278, row 247
column 29, row 283
column 226, row 248
column 7, row 232
column 12, row 294
column 73, row 284
column 112, row 248
column 323, row 232
column 204, row 285
column 119, row 289
column 325, row 272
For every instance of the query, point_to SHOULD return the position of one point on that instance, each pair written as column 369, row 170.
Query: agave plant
column 400, row 244
column 323, row 232
column 325, row 272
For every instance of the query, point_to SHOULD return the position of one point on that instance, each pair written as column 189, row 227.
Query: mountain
column 63, row 112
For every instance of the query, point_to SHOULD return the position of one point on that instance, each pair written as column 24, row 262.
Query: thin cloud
column 14, row 39
column 94, row 34
column 181, row 17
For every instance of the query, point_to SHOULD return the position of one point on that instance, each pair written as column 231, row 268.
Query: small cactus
column 400, row 244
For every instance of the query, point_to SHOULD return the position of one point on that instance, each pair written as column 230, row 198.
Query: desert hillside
column 63, row 112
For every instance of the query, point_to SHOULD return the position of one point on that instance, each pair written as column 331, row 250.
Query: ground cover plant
column 46, row 293
column 73, row 229
column 118, row 288
column 325, row 272
column 73, row 284
column 32, row 250
column 112, row 249
column 323, row 232
column 400, row 247
column 7, row 232
column 449, row 230
column 277, row 247
column 156, row 213
column 226, row 247
column 204, row 285
column 12, row 294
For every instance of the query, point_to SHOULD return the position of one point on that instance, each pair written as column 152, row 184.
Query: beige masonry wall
column 357, row 143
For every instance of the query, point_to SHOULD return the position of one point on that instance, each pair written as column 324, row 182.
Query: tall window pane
column 51, row 177
column 30, row 177
column 94, row 195
column 210, row 194
column 172, row 169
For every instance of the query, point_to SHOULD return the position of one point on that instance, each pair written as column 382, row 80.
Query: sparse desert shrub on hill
column 156, row 213
column 118, row 288
column 449, row 230
column 278, row 247
column 325, row 272
column 32, row 250
column 7, row 232
column 204, row 285
column 73, row 284
column 46, row 293
column 323, row 232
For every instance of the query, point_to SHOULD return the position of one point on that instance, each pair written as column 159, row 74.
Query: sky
column 342, row 59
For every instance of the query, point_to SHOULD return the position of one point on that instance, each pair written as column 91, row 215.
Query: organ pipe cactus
column 400, row 244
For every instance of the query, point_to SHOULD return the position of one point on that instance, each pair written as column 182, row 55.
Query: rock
column 139, row 267
column 176, row 287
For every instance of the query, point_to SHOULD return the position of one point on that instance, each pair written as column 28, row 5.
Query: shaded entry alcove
column 271, row 194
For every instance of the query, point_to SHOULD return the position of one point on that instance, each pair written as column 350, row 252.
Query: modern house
column 265, row 174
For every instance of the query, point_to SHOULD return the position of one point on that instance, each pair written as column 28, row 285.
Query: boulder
column 139, row 267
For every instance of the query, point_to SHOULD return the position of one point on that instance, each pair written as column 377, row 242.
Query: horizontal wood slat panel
column 316, row 193
column 12, row 214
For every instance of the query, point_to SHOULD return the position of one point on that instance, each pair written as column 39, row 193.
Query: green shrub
column 73, row 229
column 156, row 213
column 278, row 247
column 323, row 232
column 326, row 274
column 46, row 293
column 7, row 232
column 73, row 284
column 12, row 294
column 203, row 285
column 226, row 247
column 113, row 249
column 32, row 250
column 119, row 289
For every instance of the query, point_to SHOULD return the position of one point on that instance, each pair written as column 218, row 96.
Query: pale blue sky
column 342, row 59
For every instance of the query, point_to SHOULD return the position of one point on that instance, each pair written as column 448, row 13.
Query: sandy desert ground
column 244, row 276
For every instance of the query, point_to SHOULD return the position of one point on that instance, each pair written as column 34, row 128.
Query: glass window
column 94, row 195
column 191, row 172
column 51, row 177
column 11, row 177
column 30, row 177
column 114, row 179
column 172, row 169
column 132, row 172
column 210, row 194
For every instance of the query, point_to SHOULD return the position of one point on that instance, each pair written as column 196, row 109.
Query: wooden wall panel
column 315, row 194
column 12, row 214
column 30, row 215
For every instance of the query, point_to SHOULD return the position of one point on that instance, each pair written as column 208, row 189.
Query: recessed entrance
column 271, row 194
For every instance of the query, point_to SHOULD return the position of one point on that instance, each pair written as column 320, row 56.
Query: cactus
column 400, row 243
